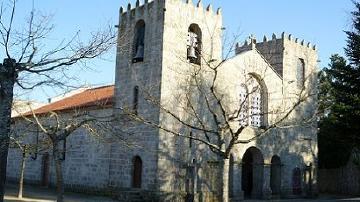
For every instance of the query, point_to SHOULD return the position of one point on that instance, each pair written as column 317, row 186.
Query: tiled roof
column 94, row 97
column 21, row 106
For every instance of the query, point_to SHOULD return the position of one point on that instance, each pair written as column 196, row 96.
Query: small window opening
column 300, row 73
column 136, row 99
column 137, row 172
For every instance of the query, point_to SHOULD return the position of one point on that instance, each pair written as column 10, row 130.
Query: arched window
column 258, row 101
column 139, row 42
column 244, row 106
column 194, row 44
column 300, row 73
column 137, row 172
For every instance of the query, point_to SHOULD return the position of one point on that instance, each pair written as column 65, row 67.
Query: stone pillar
column 286, row 181
column 266, row 192
column 238, row 194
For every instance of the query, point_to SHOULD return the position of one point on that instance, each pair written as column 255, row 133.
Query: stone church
column 161, row 43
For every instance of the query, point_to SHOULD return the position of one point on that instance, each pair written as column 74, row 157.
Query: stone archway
column 275, row 175
column 252, row 173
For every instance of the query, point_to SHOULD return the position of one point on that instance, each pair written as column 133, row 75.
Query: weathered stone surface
column 169, row 163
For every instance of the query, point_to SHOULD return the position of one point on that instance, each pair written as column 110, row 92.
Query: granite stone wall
column 172, row 166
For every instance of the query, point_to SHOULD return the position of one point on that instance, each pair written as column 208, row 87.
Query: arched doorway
column 275, row 175
column 252, row 173
column 137, row 172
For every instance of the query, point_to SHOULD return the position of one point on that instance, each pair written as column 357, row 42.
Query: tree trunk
column 7, row 81
column 21, row 180
column 225, row 180
column 59, row 175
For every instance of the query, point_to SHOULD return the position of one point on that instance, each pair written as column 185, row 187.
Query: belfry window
column 194, row 44
column 139, row 42
column 300, row 73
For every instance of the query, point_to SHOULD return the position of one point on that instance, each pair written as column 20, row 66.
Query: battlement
column 274, row 43
column 278, row 51
column 199, row 5
column 139, row 7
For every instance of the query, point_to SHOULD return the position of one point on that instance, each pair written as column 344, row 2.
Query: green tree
column 340, row 102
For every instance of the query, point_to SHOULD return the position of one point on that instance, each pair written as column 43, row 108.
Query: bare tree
column 57, row 127
column 27, row 150
column 30, row 63
column 201, row 104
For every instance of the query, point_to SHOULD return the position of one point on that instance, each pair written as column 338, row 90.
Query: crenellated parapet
column 140, row 6
column 273, row 43
column 199, row 7
column 280, row 51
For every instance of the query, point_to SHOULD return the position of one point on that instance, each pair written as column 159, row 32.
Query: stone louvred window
column 255, row 109
column 256, row 102
column 244, row 106
column 251, row 104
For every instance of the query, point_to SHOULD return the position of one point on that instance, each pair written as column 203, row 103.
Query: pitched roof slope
column 100, row 96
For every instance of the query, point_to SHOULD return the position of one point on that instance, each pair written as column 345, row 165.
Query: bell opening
column 194, row 44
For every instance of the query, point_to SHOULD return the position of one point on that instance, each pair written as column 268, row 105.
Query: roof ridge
column 99, row 87
column 86, row 98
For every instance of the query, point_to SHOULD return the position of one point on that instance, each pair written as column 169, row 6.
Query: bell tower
column 158, row 42
column 158, row 36
column 139, row 52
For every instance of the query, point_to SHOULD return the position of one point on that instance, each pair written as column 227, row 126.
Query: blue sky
column 320, row 22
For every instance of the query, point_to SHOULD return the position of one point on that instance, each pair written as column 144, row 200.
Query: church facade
column 267, row 89
column 177, row 37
